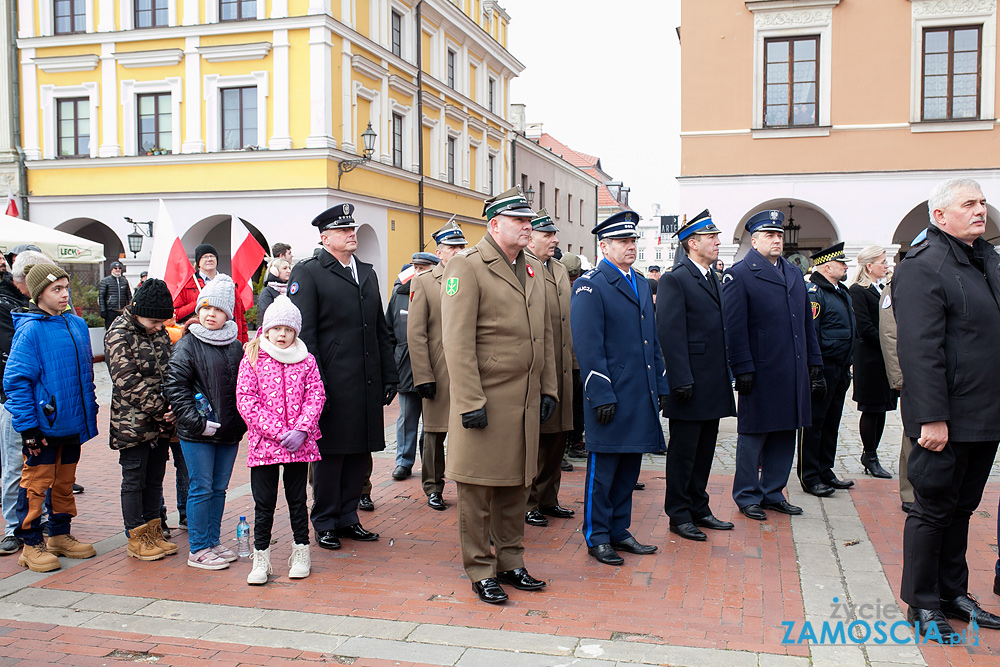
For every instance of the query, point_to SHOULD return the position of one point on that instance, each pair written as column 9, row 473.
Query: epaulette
column 916, row 250
column 468, row 251
column 590, row 274
column 811, row 287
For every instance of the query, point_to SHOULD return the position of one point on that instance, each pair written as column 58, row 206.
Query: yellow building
column 246, row 108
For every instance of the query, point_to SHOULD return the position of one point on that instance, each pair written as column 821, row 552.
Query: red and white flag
column 12, row 204
column 168, row 260
column 247, row 256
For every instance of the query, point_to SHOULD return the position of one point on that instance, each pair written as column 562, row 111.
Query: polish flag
column 12, row 204
column 168, row 259
column 404, row 277
column 247, row 256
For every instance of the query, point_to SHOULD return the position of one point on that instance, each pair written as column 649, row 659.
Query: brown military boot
column 70, row 547
column 141, row 544
column 37, row 559
column 156, row 534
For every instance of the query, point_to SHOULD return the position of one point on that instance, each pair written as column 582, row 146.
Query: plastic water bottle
column 203, row 407
column 243, row 538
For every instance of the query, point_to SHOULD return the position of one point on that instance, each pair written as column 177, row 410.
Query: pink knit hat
column 282, row 313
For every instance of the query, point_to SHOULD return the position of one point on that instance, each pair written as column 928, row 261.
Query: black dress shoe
column 633, row 547
column 604, row 553
column 535, row 518
column 328, row 539
column 365, row 503
column 839, row 483
column 819, row 489
column 436, row 502
column 688, row 531
column 753, row 512
column 489, row 591
column 964, row 606
column 357, row 532
column 711, row 522
column 925, row 617
column 557, row 512
column 639, row 486
column 520, row 579
column 996, row 584
column 784, row 507
column 906, row 507
column 401, row 473
column 566, row 466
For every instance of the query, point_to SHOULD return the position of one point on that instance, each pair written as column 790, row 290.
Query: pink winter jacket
column 274, row 398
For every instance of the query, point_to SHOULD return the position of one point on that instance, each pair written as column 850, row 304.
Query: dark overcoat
column 614, row 335
column 692, row 334
column 948, row 319
column 833, row 317
column 395, row 318
column 344, row 327
column 769, row 321
column 871, row 384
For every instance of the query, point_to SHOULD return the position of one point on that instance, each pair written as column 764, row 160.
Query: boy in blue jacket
column 49, row 382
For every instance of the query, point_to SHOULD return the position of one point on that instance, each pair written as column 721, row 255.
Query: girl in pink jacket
column 280, row 395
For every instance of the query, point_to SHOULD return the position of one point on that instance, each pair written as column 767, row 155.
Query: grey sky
column 604, row 78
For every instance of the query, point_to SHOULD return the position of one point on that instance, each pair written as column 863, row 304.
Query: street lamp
column 368, row 136
column 135, row 236
column 791, row 229
column 530, row 195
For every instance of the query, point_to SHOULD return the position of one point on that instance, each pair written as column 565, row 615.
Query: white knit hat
column 219, row 292
column 282, row 313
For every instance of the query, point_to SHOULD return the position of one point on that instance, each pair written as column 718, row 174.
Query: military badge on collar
column 531, row 272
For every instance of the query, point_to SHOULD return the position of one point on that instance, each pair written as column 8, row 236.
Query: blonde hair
column 276, row 264
column 251, row 349
column 867, row 256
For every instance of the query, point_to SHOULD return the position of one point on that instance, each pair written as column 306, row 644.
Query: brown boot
column 141, row 545
column 159, row 539
column 70, row 547
column 37, row 559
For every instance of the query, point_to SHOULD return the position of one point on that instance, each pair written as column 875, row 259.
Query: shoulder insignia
column 590, row 274
column 584, row 288
column 816, row 308
column 467, row 251
column 811, row 287
column 917, row 249
column 887, row 301
column 293, row 288
column 451, row 286
column 726, row 277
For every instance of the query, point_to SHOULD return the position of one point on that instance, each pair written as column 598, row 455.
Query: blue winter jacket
column 51, row 357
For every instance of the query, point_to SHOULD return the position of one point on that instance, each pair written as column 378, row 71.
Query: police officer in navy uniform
column 773, row 351
column 344, row 327
column 833, row 317
column 624, row 386
column 693, row 338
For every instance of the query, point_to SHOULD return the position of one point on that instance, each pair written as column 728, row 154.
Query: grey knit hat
column 219, row 292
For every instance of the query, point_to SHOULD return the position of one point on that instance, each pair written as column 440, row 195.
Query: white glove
column 210, row 428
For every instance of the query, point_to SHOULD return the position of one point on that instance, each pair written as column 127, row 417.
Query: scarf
column 292, row 354
column 220, row 337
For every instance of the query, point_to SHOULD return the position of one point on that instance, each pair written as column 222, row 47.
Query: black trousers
column 337, row 483
column 818, row 446
column 689, row 463
column 936, row 533
column 545, row 487
column 264, row 486
column 143, row 467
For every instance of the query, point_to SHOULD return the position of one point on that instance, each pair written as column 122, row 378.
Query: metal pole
column 420, row 123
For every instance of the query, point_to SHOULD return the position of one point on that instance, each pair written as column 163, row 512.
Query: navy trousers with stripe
column 607, row 503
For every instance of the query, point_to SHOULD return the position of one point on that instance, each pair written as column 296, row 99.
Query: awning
column 62, row 247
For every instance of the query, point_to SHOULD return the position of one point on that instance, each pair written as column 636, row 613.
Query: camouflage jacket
column 138, row 364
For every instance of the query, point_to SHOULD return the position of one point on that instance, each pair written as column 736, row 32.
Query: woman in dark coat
column 872, row 392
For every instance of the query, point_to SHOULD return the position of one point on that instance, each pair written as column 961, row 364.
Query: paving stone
column 895, row 654
column 121, row 604
column 30, row 614
column 195, row 611
column 701, row 657
column 477, row 657
column 149, row 625
column 526, row 642
column 306, row 641
column 297, row 620
column 372, row 628
column 607, row 650
column 837, row 656
column 46, row 597
column 401, row 651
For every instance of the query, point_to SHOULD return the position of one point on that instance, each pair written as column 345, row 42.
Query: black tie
column 711, row 282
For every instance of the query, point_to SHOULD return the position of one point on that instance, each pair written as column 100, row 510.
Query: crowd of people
column 512, row 354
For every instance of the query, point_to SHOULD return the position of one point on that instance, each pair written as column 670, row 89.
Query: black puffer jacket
column 395, row 317
column 197, row 367
column 113, row 295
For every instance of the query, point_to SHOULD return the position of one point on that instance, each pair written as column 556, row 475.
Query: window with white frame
column 952, row 72
column 491, row 87
column 397, row 140
column 237, row 10
column 659, row 254
column 70, row 16
column 450, row 74
column 790, row 81
column 557, row 203
column 641, row 256
column 154, row 122
column 239, row 117
column 73, row 126
column 151, row 14
column 451, row 160
column 491, row 169
column 397, row 34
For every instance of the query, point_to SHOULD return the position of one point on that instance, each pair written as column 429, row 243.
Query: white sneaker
column 299, row 563
column 261, row 567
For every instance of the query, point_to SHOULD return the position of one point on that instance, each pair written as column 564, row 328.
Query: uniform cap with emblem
column 450, row 234
column 654, row 267
column 765, row 221
column 699, row 224
column 425, row 258
column 510, row 203
column 542, row 222
column 834, row 253
column 340, row 216
column 621, row 225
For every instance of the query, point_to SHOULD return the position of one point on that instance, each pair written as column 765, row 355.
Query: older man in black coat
column 945, row 297
column 344, row 327
column 692, row 334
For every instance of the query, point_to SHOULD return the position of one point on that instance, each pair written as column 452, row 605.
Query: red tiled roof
column 587, row 163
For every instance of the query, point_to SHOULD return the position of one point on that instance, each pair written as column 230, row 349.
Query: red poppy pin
column 531, row 272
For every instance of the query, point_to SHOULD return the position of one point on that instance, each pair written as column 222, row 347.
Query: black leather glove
column 427, row 390
column 475, row 419
column 682, row 394
column 817, row 382
column 547, row 407
column 388, row 393
column 744, row 383
column 605, row 413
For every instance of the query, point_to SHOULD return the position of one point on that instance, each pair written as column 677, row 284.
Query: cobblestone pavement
column 404, row 600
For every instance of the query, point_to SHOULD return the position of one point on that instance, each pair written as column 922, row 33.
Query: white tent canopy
column 62, row 247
